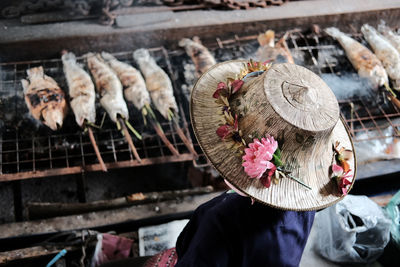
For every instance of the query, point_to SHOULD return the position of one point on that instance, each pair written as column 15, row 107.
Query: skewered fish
column 157, row 82
column 385, row 52
column 82, row 98
column 394, row 39
column 132, row 80
column 109, row 88
column 44, row 98
column 362, row 59
column 161, row 91
column 81, row 90
column 269, row 51
column 136, row 92
column 201, row 57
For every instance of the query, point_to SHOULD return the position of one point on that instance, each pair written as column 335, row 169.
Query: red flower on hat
column 236, row 85
column 266, row 179
column 227, row 130
column 224, row 131
column 342, row 178
column 258, row 155
column 221, row 87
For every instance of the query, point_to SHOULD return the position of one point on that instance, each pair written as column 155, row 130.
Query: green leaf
column 278, row 152
column 277, row 161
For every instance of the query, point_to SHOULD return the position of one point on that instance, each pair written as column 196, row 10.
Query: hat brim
column 314, row 168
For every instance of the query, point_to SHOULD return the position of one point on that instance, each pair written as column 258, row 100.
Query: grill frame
column 236, row 46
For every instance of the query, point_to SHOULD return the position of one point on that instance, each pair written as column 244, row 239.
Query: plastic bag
column 393, row 210
column 355, row 230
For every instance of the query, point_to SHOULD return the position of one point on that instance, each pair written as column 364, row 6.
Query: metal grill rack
column 322, row 55
column 28, row 150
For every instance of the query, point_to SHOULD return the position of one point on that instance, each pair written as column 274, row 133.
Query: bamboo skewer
column 183, row 137
column 96, row 149
column 148, row 112
column 129, row 139
column 161, row 134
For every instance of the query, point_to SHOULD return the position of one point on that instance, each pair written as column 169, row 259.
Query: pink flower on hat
column 342, row 178
column 258, row 155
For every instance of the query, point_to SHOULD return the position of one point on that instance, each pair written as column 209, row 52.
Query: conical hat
column 291, row 104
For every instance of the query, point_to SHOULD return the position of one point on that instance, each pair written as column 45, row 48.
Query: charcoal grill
column 45, row 153
column 28, row 151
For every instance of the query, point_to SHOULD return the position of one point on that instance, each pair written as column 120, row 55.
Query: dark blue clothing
column 229, row 231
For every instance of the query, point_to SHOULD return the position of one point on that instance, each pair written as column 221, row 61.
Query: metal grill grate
column 28, row 150
column 322, row 55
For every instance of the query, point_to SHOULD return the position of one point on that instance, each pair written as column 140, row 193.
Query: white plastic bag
column 355, row 230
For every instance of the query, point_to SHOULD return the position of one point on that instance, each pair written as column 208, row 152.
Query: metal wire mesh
column 322, row 55
column 28, row 149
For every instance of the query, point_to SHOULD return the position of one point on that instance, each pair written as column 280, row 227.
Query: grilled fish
column 108, row 86
column 394, row 39
column 81, row 90
column 363, row 60
column 385, row 52
column 269, row 51
column 157, row 82
column 201, row 57
column 44, row 98
column 132, row 80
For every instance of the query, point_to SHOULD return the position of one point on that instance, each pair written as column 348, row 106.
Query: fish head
column 396, row 84
column 53, row 117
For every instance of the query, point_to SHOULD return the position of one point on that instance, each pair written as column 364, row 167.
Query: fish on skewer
column 136, row 92
column 363, row 60
column 269, row 51
column 385, row 52
column 200, row 55
column 393, row 38
column 82, row 98
column 161, row 92
column 44, row 98
column 110, row 90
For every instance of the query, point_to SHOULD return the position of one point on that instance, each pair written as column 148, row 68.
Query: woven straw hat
column 298, row 109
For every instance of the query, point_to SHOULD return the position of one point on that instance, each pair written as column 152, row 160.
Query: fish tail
column 107, row 56
column 382, row 27
column 141, row 54
column 267, row 38
column 36, row 72
column 89, row 55
column 367, row 29
column 184, row 42
column 333, row 32
column 68, row 57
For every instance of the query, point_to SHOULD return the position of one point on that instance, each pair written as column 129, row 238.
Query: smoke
column 382, row 148
column 348, row 85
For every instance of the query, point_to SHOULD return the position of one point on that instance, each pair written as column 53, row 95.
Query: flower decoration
column 258, row 156
column 341, row 172
column 342, row 178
